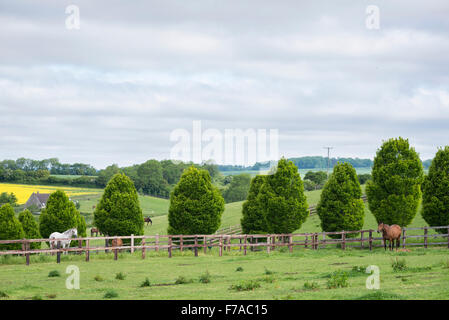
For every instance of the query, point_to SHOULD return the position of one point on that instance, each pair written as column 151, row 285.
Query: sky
column 319, row 72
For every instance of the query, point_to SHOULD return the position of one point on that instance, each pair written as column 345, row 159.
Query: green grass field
column 281, row 275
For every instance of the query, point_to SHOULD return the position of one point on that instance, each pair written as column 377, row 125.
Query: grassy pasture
column 281, row 275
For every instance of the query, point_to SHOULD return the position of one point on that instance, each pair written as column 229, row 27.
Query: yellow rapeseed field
column 23, row 191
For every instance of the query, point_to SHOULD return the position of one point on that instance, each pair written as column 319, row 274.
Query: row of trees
column 52, row 165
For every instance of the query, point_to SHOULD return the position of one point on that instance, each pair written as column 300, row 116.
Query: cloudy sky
column 114, row 90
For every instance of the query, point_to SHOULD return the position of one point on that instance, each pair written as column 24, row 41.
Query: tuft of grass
column 3, row 294
column 110, row 294
column 36, row 297
column 379, row 295
column 51, row 295
column 445, row 264
column 338, row 279
column 54, row 273
column 98, row 278
column 120, row 276
column 310, row 285
column 146, row 283
column 268, row 279
column 239, row 269
column 268, row 272
column 245, row 285
column 399, row 265
column 205, row 277
column 182, row 280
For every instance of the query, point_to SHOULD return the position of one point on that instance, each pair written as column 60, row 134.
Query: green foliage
column 105, row 175
column 145, row 283
column 98, row 278
column 150, row 179
column 110, row 294
column 363, row 178
column 30, row 228
column 196, row 205
column 399, row 265
column 309, row 185
column 253, row 219
column 282, row 199
column 54, row 273
column 59, row 215
column 205, row 277
column 245, row 285
column 239, row 269
column 318, row 177
column 118, row 213
column 310, row 285
column 10, row 228
column 338, row 279
column 394, row 192
column 8, row 198
column 340, row 206
column 3, row 294
column 120, row 276
column 182, row 280
column 238, row 188
column 435, row 209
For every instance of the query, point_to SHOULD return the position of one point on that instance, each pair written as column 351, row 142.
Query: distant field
column 302, row 172
column 24, row 191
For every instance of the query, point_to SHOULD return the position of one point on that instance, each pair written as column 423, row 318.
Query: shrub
column 253, row 219
column 238, row 188
column 338, row 279
column 120, row 276
column 182, row 280
column 435, row 206
column 340, row 206
column 98, row 278
column 36, row 297
column 317, row 177
column 363, row 178
column 310, row 285
column 118, row 212
column 54, row 273
column 196, row 205
column 10, row 228
column 394, row 192
column 59, row 215
column 205, row 277
column 309, row 185
column 110, row 294
column 399, row 265
column 245, row 285
column 30, row 228
column 239, row 269
column 146, row 283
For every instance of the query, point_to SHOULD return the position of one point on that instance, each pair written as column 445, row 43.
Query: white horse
column 65, row 235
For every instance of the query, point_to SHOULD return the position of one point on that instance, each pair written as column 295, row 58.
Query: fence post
column 317, row 241
column 87, row 250
column 324, row 239
column 246, row 241
column 307, row 240
column 132, row 243
column 27, row 255
column 448, row 237
column 115, row 250
column 313, row 241
column 106, row 244
column 343, row 239
column 157, row 242
column 425, row 237
column 196, row 246
column 143, row 248
column 169, row 246
column 403, row 238
column 181, row 242
column 361, row 240
column 58, row 254
column 80, row 245
column 204, row 245
column 240, row 241
column 23, row 246
column 268, row 243
column 221, row 246
column 370, row 240
column 290, row 243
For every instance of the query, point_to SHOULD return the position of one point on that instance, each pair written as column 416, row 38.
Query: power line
column 328, row 159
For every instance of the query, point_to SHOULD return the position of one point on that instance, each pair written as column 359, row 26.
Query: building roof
column 43, row 197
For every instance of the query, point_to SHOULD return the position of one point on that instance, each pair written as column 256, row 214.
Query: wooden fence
column 363, row 239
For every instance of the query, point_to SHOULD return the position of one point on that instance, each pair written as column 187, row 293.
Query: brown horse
column 148, row 220
column 116, row 243
column 94, row 230
column 390, row 233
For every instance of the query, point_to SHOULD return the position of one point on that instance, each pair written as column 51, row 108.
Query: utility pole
column 328, row 159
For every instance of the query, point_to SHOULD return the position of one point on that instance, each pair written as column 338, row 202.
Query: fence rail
column 363, row 239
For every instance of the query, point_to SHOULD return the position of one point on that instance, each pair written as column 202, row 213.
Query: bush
column 253, row 219
column 118, row 212
column 394, row 192
column 245, row 285
column 98, row 278
column 36, row 297
column 205, row 278
column 110, row 294
column 54, row 273
column 59, row 215
column 340, row 206
column 238, row 188
column 435, row 208
column 239, row 269
column 338, row 279
column 8, row 198
column 10, row 228
column 30, row 228
column 146, row 283
column 120, row 276
column 363, row 178
column 317, row 177
column 309, row 185
column 196, row 205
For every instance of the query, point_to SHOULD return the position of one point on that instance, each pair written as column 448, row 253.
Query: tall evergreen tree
column 253, row 219
column 435, row 209
column 10, row 228
column 196, row 206
column 340, row 206
column 394, row 192
column 118, row 213
column 30, row 228
column 283, row 200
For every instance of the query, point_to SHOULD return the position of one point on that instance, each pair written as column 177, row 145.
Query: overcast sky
column 113, row 90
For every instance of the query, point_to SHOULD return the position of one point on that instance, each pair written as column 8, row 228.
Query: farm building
column 37, row 199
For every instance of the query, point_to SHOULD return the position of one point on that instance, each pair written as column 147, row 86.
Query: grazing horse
column 94, row 230
column 148, row 220
column 390, row 233
column 116, row 243
column 65, row 235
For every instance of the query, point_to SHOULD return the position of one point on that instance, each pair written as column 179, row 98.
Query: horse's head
column 74, row 233
column 380, row 227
